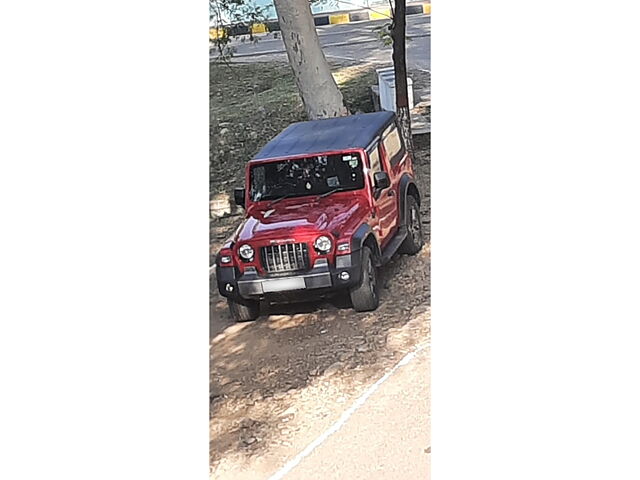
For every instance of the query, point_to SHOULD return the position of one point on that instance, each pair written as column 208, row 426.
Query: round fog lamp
column 246, row 252
column 344, row 276
column 323, row 244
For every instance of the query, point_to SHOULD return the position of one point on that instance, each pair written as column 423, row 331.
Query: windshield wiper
column 291, row 194
column 296, row 194
column 337, row 189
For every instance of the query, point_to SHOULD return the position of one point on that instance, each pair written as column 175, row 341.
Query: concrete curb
column 332, row 18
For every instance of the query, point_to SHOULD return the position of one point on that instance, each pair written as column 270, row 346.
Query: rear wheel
column 244, row 310
column 365, row 297
column 415, row 240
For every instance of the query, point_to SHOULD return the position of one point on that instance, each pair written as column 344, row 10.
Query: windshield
column 306, row 176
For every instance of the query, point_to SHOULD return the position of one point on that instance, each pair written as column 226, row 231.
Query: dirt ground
column 278, row 382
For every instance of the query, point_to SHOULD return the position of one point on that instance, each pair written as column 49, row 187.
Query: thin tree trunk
column 318, row 89
column 398, row 30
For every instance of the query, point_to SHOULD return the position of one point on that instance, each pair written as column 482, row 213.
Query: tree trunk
column 318, row 89
column 398, row 33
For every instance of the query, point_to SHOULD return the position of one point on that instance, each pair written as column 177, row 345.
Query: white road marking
column 339, row 56
column 344, row 417
column 368, row 62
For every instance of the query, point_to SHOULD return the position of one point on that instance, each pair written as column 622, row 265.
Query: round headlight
column 246, row 252
column 323, row 244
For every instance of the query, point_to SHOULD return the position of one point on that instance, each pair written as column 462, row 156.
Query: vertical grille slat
column 287, row 256
column 298, row 249
column 290, row 257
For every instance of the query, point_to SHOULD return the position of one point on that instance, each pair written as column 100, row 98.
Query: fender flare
column 406, row 187
column 361, row 236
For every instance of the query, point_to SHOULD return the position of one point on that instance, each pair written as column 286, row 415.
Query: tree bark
column 318, row 90
column 398, row 35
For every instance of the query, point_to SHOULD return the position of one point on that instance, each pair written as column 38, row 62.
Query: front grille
column 291, row 257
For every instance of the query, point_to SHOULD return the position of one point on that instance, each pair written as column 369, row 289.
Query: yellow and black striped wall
column 369, row 14
column 413, row 8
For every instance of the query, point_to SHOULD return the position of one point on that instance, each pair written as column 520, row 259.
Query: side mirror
column 238, row 196
column 381, row 181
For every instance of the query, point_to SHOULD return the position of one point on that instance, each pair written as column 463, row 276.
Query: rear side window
column 393, row 145
column 374, row 160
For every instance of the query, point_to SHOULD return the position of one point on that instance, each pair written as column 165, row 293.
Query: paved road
column 388, row 437
column 350, row 41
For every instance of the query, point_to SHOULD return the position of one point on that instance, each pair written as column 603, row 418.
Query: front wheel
column 244, row 311
column 365, row 297
column 415, row 240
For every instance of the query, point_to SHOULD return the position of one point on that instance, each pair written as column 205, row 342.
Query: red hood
column 334, row 214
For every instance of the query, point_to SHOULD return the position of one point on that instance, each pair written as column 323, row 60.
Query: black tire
column 364, row 297
column 244, row 311
column 415, row 239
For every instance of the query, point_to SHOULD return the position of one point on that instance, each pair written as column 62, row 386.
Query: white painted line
column 339, row 56
column 344, row 417
column 348, row 43
column 369, row 62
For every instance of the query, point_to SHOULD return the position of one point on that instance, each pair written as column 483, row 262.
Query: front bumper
column 320, row 280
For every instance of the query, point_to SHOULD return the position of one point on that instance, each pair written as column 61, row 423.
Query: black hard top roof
column 318, row 136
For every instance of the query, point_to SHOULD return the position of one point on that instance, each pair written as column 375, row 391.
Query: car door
column 385, row 202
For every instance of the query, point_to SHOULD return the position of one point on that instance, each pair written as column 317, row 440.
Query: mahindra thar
column 327, row 202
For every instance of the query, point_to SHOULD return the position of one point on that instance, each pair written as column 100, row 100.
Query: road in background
column 351, row 41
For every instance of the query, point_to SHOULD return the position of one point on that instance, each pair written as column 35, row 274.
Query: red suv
column 327, row 202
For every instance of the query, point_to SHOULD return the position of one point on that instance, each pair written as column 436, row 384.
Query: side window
column 374, row 161
column 393, row 145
